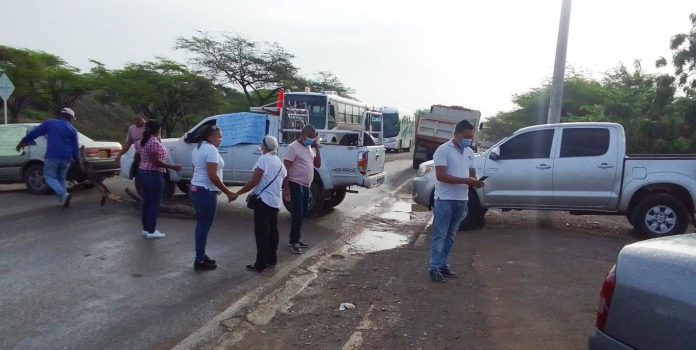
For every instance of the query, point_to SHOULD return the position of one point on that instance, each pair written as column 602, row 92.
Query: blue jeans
column 447, row 216
column 205, row 204
column 151, row 185
column 299, row 196
column 54, row 172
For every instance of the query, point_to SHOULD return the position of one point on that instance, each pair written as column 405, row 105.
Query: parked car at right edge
column 648, row 300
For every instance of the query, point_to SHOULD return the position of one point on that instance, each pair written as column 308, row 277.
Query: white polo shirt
column 458, row 164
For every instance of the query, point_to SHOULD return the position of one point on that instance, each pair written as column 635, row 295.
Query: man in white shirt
column 455, row 172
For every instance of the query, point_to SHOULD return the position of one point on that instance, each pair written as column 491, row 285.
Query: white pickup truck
column 342, row 166
column 582, row 168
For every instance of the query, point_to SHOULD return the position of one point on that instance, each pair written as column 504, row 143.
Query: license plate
column 103, row 153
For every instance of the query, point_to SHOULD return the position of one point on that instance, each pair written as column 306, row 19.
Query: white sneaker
column 155, row 235
column 144, row 233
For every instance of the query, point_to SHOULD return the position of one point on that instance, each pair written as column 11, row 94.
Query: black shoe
column 447, row 273
column 302, row 245
column 437, row 277
column 208, row 260
column 66, row 200
column 255, row 268
column 205, row 265
column 295, row 248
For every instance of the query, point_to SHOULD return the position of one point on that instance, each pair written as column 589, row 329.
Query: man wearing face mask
column 455, row 172
column 301, row 157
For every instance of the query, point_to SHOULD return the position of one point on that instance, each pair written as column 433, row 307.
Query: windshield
column 392, row 125
column 315, row 105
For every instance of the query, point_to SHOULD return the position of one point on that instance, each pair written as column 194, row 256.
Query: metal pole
column 4, row 104
column 556, row 102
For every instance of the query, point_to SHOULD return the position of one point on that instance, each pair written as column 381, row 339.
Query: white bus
column 398, row 130
column 328, row 111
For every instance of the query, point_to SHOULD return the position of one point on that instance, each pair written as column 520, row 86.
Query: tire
column 476, row 216
column 183, row 185
column 660, row 215
column 337, row 196
column 416, row 163
column 316, row 198
column 35, row 181
column 167, row 191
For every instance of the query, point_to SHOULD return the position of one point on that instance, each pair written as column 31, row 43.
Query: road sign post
column 6, row 89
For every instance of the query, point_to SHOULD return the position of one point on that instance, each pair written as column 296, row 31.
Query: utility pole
column 559, row 67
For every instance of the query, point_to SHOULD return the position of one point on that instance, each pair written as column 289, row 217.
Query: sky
column 409, row 54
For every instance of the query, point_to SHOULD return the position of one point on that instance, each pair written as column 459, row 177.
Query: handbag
column 253, row 199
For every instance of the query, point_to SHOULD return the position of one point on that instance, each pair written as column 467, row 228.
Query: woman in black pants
column 266, row 184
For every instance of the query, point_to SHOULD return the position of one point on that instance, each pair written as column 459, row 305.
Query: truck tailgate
column 374, row 175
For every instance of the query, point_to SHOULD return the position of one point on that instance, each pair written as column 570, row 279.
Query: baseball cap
column 69, row 111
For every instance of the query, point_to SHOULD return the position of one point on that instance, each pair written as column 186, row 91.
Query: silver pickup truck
column 342, row 166
column 648, row 301
column 582, row 168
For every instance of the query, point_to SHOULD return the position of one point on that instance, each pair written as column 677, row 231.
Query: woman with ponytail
column 206, row 185
column 151, row 172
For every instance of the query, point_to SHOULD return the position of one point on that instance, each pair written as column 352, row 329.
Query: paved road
column 85, row 278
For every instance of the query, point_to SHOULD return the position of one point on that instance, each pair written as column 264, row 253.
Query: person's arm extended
column 126, row 146
column 38, row 131
column 255, row 180
column 154, row 160
column 442, row 176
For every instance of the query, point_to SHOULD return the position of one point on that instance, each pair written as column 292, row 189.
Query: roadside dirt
column 528, row 281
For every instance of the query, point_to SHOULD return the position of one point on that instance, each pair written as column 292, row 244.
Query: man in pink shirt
column 301, row 157
column 135, row 133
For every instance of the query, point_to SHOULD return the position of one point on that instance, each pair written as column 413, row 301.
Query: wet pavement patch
column 374, row 241
column 399, row 211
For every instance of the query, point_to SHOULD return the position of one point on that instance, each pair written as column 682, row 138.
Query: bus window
column 391, row 125
column 332, row 117
column 315, row 105
column 341, row 112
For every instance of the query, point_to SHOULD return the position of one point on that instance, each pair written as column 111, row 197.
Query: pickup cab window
column 584, row 142
column 530, row 145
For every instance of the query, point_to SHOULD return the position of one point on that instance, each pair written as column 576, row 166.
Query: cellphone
column 483, row 178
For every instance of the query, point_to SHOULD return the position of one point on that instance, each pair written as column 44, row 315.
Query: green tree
column 164, row 90
column 257, row 68
column 28, row 70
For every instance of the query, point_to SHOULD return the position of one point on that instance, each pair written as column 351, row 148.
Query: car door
column 11, row 161
column 244, row 156
column 585, row 174
column 522, row 174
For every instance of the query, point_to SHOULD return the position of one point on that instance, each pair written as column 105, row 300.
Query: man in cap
column 61, row 149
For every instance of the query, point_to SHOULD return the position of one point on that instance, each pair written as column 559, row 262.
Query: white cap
column 67, row 110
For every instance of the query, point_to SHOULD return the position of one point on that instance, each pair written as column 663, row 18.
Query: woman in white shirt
column 266, row 184
column 206, row 185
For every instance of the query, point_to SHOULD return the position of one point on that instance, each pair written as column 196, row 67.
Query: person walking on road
column 301, row 157
column 455, row 172
column 151, row 172
column 134, row 134
column 62, row 148
column 266, row 182
column 206, row 185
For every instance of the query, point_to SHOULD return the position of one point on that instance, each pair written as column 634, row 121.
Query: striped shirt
column 153, row 146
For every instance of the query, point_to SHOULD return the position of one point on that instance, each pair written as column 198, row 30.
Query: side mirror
column 187, row 137
column 495, row 153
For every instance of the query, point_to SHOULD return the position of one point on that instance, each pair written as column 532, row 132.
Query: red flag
column 281, row 98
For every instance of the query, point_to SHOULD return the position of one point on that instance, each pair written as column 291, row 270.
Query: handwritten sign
column 9, row 138
column 242, row 127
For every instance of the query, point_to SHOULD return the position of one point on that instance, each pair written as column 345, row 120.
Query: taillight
column 605, row 299
column 362, row 162
column 114, row 152
column 91, row 152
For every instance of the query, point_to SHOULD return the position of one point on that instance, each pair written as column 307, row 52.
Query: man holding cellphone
column 455, row 172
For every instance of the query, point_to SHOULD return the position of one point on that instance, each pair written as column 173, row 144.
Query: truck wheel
column 660, row 215
column 167, row 190
column 183, row 185
column 35, row 181
column 476, row 216
column 337, row 196
column 316, row 198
